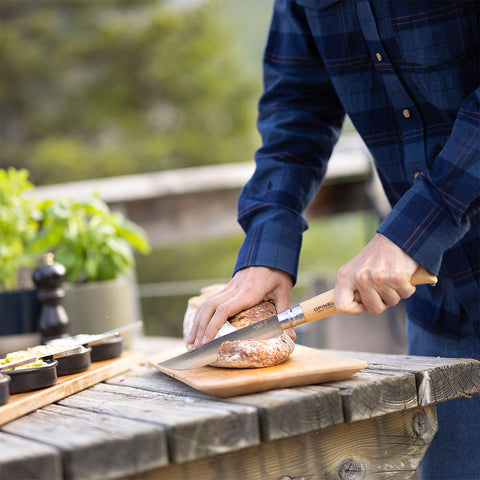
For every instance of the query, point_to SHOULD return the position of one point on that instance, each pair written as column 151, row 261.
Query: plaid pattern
column 407, row 74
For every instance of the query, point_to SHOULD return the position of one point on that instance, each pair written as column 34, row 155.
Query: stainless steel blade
column 267, row 328
column 102, row 337
column 65, row 352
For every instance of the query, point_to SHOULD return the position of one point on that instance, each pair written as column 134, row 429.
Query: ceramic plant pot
column 98, row 307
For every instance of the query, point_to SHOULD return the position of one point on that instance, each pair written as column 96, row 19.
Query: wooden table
column 146, row 425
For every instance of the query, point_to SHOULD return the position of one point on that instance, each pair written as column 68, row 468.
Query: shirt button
column 406, row 113
column 379, row 57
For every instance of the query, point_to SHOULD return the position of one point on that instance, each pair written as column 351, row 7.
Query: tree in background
column 94, row 89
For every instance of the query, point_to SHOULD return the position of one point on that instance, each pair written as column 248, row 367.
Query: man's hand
column 381, row 272
column 247, row 288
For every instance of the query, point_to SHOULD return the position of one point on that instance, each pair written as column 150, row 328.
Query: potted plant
column 96, row 247
column 93, row 243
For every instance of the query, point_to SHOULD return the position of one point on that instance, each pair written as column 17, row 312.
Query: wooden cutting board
column 20, row 404
column 306, row 366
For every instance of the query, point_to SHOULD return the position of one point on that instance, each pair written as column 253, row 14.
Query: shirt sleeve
column 298, row 133
column 438, row 210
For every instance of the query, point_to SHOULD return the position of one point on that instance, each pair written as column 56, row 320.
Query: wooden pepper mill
column 49, row 278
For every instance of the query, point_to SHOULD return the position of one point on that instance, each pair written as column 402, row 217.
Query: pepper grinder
column 49, row 278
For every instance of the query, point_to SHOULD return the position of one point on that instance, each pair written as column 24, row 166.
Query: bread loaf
column 243, row 353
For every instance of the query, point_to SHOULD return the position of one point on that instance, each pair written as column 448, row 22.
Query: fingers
column 345, row 300
column 247, row 288
column 291, row 333
column 380, row 274
column 377, row 291
column 216, row 310
column 213, row 306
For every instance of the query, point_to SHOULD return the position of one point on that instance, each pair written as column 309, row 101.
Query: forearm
column 437, row 211
column 300, row 119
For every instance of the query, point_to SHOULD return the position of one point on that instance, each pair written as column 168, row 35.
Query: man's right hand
column 246, row 289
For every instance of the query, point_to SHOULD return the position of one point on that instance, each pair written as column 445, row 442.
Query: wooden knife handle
column 323, row 305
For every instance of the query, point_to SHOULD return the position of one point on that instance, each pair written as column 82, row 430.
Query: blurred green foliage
column 94, row 89
column 19, row 216
column 92, row 242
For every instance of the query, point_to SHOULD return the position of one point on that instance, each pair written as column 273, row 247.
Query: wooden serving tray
column 20, row 404
column 306, row 366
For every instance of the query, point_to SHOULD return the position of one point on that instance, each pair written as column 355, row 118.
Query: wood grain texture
column 288, row 412
column 370, row 394
column 438, row 378
column 149, row 378
column 94, row 446
column 305, row 366
column 21, row 403
column 22, row 459
column 195, row 428
column 143, row 424
column 385, row 447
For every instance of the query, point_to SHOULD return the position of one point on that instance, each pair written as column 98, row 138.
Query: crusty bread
column 243, row 353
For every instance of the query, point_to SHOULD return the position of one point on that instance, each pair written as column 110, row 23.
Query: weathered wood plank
column 26, row 402
column 195, row 428
column 438, row 378
column 387, row 447
column 22, row 459
column 293, row 411
column 94, row 446
column 370, row 394
column 149, row 378
column 402, row 362
column 283, row 412
column 460, row 380
column 362, row 398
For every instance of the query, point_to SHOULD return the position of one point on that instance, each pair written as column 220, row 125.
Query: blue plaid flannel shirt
column 407, row 74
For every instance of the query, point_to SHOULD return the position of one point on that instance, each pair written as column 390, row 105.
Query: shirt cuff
column 274, row 243
column 421, row 225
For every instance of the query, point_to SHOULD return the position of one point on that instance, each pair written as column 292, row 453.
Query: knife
column 94, row 339
column 102, row 337
column 311, row 310
column 34, row 358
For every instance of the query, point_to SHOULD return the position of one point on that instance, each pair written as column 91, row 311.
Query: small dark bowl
column 27, row 379
column 4, row 388
column 75, row 363
column 106, row 350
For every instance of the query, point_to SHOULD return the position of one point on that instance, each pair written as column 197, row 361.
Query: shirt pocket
column 438, row 33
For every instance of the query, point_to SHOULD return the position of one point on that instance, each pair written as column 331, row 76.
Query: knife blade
column 94, row 339
column 311, row 310
column 207, row 353
column 102, row 337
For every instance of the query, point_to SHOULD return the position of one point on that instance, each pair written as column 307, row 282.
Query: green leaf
column 92, row 242
column 134, row 235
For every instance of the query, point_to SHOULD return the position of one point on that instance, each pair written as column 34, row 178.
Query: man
column 407, row 74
